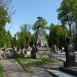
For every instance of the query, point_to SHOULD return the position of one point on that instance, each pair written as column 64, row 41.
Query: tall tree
column 3, row 20
column 67, row 12
column 56, row 35
column 14, row 41
column 8, row 39
column 24, row 37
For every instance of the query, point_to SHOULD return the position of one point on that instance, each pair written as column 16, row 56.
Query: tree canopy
column 43, row 23
column 57, row 35
column 24, row 37
column 67, row 12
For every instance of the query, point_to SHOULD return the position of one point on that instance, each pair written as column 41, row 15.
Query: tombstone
column 53, row 48
column 70, row 66
column 70, row 54
column 9, row 52
column 41, row 48
column 15, row 49
column 27, row 52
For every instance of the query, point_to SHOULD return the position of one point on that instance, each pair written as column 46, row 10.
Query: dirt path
column 13, row 69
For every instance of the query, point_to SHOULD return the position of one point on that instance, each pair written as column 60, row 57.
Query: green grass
column 31, row 62
column 1, row 71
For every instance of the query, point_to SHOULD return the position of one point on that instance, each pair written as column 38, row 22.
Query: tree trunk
column 70, row 29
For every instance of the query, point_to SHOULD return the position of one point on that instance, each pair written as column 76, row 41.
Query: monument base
column 42, row 53
column 71, row 70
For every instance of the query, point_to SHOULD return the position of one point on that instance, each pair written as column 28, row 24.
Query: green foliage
column 14, row 41
column 44, row 23
column 3, row 20
column 8, row 39
column 24, row 37
column 57, row 35
column 67, row 12
column 74, row 31
column 3, row 17
column 1, row 71
column 34, row 38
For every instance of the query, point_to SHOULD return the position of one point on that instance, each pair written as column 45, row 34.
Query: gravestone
column 27, row 52
column 41, row 48
column 9, row 52
column 70, row 54
column 53, row 48
column 70, row 66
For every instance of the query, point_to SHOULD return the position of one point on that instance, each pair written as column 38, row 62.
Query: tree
column 67, row 12
column 3, row 20
column 14, row 41
column 56, row 35
column 8, row 39
column 7, row 5
column 24, row 37
column 3, row 17
column 33, row 38
column 74, row 31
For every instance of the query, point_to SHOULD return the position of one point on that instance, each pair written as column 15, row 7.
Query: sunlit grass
column 27, row 62
column 1, row 71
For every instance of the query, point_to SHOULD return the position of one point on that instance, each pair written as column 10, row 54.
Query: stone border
column 68, row 70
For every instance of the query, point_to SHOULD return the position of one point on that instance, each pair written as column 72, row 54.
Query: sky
column 27, row 12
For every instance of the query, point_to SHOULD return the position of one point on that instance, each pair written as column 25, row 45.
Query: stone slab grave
column 70, row 65
column 41, row 48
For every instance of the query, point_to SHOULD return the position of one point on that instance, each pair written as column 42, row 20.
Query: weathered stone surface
column 70, row 54
column 27, row 53
column 9, row 52
column 53, row 48
column 41, row 48
column 43, row 54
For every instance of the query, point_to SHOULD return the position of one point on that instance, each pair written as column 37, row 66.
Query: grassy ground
column 27, row 62
column 1, row 71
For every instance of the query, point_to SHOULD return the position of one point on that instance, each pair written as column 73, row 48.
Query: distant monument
column 41, row 48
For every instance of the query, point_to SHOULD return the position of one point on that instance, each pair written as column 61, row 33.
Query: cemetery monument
column 41, row 48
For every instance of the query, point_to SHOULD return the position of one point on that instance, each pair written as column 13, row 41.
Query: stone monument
column 41, row 48
column 70, row 54
column 70, row 65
